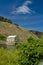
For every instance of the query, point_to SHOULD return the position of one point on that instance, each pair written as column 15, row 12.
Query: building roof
column 11, row 36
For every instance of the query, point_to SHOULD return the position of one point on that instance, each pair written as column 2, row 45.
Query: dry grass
column 12, row 29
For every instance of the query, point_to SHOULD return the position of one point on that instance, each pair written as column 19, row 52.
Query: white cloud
column 24, row 9
column 27, row 2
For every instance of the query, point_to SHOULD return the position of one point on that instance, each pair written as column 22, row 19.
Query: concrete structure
column 11, row 40
column 3, row 44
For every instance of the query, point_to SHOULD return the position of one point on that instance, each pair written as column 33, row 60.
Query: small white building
column 11, row 40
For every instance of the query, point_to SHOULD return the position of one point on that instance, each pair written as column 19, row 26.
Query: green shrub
column 2, row 37
column 31, row 53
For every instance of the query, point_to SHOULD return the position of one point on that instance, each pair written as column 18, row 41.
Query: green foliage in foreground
column 29, row 53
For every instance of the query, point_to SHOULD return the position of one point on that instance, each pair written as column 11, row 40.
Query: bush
column 31, row 53
column 2, row 37
column 23, row 54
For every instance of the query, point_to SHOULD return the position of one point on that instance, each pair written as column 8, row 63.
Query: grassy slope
column 12, row 29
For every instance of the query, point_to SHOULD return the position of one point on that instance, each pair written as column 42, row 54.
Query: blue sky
column 26, row 13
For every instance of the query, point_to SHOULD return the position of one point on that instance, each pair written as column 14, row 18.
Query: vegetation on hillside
column 29, row 53
column 7, row 29
column 37, row 33
column 5, row 19
column 2, row 37
column 2, row 19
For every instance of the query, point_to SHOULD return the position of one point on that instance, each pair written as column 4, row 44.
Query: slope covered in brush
column 7, row 27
